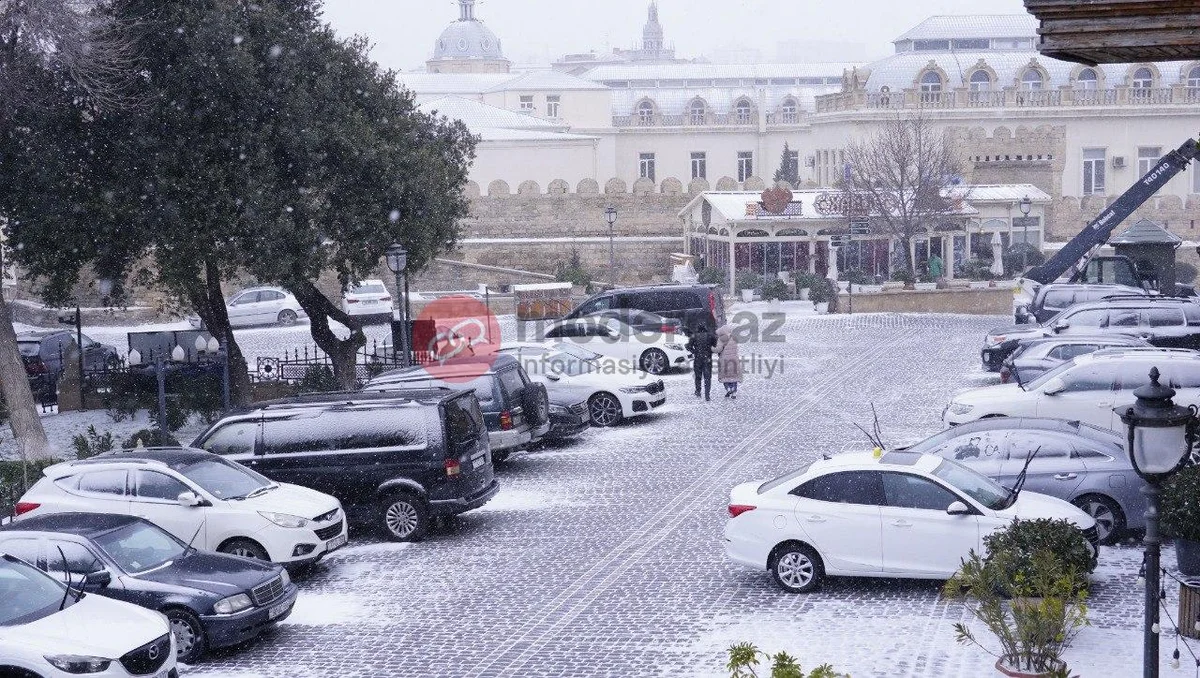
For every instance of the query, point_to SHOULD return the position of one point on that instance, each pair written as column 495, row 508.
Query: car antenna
column 188, row 550
column 67, row 573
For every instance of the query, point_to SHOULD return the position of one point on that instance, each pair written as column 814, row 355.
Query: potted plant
column 925, row 282
column 905, row 277
column 824, row 293
column 774, row 291
column 747, row 282
column 1031, row 597
column 804, row 285
column 1180, row 516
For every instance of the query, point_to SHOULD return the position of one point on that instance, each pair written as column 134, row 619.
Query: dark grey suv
column 1056, row 297
column 691, row 305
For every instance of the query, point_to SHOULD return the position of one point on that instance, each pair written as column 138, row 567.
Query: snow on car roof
column 860, row 460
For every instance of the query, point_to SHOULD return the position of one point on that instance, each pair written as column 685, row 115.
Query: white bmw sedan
column 654, row 352
column 854, row 515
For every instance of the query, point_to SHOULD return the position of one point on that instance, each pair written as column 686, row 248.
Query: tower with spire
column 654, row 47
column 467, row 46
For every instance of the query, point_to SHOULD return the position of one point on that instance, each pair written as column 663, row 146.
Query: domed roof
column 467, row 38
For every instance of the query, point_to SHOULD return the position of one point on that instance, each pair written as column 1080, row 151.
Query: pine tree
column 789, row 168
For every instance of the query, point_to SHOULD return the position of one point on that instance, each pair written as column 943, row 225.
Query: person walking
column 701, row 345
column 729, row 361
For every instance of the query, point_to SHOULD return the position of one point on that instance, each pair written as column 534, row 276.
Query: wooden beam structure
column 1118, row 31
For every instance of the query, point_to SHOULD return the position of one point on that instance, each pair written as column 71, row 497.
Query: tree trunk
column 342, row 352
column 14, row 384
column 906, row 242
column 208, row 301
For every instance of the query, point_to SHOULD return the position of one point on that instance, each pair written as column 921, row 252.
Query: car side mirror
column 189, row 500
column 97, row 580
column 553, row 376
column 958, row 509
column 1054, row 386
column 1061, row 325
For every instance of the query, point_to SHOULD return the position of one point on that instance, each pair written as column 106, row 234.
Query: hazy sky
column 537, row 31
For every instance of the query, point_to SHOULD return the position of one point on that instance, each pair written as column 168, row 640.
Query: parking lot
column 605, row 556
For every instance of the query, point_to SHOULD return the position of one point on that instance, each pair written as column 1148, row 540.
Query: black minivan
column 689, row 304
column 397, row 459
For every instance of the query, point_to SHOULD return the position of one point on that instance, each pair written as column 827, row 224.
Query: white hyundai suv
column 856, row 515
column 201, row 498
column 49, row 630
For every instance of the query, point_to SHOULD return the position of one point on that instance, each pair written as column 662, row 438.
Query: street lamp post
column 397, row 261
column 1026, row 207
column 610, row 213
column 1159, row 442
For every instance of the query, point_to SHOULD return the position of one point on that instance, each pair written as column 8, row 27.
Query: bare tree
column 45, row 43
column 905, row 171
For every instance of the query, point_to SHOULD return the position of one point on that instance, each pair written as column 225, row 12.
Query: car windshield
column 564, row 363
column 28, row 594
column 139, row 547
column 1048, row 375
column 223, row 479
column 783, row 479
column 975, row 485
column 576, row 351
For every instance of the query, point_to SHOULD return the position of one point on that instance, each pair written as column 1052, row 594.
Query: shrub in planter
column 904, row 275
column 712, row 275
column 806, row 281
column 747, row 280
column 1022, row 252
column 745, row 658
column 978, row 269
column 774, row 289
column 1021, row 541
column 856, row 277
column 1179, row 512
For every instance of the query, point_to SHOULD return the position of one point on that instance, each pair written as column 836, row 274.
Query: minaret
column 466, row 10
column 652, row 34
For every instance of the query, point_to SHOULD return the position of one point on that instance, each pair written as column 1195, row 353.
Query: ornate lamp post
column 1026, row 207
column 397, row 261
column 610, row 213
column 1160, row 439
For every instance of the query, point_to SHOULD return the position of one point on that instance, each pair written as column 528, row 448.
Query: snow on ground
column 62, row 427
column 319, row 609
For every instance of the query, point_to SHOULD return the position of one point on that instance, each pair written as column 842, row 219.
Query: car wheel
column 405, row 517
column 797, row 568
column 189, row 634
column 500, row 456
column 1110, row 520
column 605, row 409
column 244, row 548
column 287, row 317
column 654, row 361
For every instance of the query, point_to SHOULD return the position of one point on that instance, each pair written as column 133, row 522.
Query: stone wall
column 990, row 301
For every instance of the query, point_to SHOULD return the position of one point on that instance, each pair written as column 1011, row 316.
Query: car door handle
column 1104, row 403
column 1066, row 476
column 901, row 523
column 816, row 519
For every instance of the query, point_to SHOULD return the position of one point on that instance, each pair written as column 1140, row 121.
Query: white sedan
column 368, row 297
column 615, row 389
column 855, row 515
column 260, row 306
column 654, row 352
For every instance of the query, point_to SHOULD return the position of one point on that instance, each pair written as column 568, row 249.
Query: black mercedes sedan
column 210, row 599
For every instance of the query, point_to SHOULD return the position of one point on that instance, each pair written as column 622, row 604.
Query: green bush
column 712, row 275
column 978, row 269
column 856, row 277
column 745, row 658
column 1023, row 539
column 1185, row 273
column 806, row 280
column 824, row 291
column 1180, row 505
column 91, row 443
column 318, row 379
column 1013, row 257
column 748, row 280
column 150, row 437
column 177, row 416
column 904, row 275
column 775, row 289
column 572, row 271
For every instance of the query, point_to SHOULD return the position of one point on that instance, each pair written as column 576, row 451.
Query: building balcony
column 708, row 119
column 1009, row 97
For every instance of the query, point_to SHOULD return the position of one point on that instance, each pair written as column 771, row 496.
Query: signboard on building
column 860, row 227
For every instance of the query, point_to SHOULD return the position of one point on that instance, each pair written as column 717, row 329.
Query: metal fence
column 312, row 366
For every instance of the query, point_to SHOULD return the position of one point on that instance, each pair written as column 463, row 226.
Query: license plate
column 337, row 542
column 479, row 463
column 278, row 610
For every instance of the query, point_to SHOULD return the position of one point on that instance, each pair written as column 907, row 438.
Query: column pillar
column 732, row 268
column 812, row 258
column 948, row 255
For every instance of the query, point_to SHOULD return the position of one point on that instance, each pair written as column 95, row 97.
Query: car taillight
column 24, row 507
column 736, row 510
column 35, row 367
column 506, row 420
column 666, row 329
column 453, row 468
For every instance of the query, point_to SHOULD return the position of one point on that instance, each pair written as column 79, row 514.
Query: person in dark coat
column 701, row 345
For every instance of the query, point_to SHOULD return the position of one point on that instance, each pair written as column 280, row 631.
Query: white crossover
column 199, row 497
column 654, row 352
column 50, row 631
column 856, row 515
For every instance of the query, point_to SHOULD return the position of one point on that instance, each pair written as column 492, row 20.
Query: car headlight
column 78, row 663
column 960, row 408
column 233, row 604
column 634, row 389
column 285, row 578
column 284, row 519
column 675, row 347
column 558, row 409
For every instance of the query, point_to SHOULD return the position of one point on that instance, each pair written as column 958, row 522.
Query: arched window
column 981, row 81
column 790, row 110
column 1032, row 80
column 1193, row 95
column 645, row 113
column 697, row 112
column 931, row 87
column 744, row 111
column 1193, row 79
column 1143, row 78
column 1087, row 80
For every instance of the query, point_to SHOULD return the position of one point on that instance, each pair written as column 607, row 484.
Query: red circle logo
column 456, row 338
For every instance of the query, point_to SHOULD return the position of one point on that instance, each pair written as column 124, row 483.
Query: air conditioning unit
column 810, row 161
column 1118, row 162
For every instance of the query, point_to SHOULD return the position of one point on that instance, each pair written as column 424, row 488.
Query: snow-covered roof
column 545, row 80
column 902, row 70
column 966, row 27
column 492, row 123
column 693, row 71
column 1003, row 193
column 451, row 83
column 742, row 206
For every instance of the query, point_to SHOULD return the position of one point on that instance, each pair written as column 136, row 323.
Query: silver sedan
column 1082, row 464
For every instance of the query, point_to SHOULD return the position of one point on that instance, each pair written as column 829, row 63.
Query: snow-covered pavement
column 604, row 557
